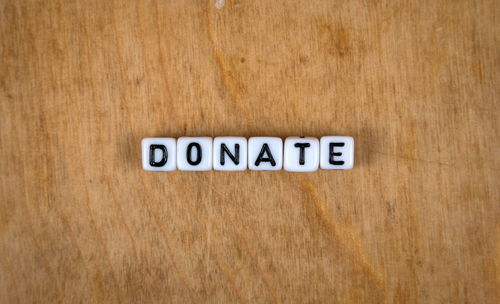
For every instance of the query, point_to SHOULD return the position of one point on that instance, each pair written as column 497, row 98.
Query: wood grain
column 414, row 82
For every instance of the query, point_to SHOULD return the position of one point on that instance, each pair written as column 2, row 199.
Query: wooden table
column 415, row 83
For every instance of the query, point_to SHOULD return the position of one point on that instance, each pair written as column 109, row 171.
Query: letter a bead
column 265, row 153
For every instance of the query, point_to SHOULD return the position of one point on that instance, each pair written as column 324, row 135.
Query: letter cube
column 159, row 154
column 265, row 153
column 336, row 152
column 301, row 154
column 194, row 153
column 230, row 153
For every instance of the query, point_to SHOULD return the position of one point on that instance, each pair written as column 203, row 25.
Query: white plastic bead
column 336, row 152
column 194, row 153
column 301, row 154
column 265, row 153
column 159, row 154
column 230, row 153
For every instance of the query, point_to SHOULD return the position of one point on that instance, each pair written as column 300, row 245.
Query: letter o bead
column 194, row 153
column 159, row 154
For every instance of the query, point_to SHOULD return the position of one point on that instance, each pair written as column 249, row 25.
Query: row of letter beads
column 299, row 154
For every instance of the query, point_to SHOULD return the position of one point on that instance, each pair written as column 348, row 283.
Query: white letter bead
column 301, row 154
column 230, row 153
column 265, row 153
column 336, row 152
column 194, row 153
column 158, row 154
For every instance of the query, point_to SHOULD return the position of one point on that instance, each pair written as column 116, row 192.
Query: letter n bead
column 230, row 153
column 194, row 153
column 336, row 152
column 159, row 154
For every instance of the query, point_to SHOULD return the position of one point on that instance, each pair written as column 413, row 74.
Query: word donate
column 297, row 154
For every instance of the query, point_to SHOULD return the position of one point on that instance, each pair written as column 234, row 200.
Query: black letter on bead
column 224, row 149
column 164, row 156
column 198, row 154
column 302, row 148
column 333, row 154
column 260, row 158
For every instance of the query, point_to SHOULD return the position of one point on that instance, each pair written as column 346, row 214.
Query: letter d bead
column 159, row 154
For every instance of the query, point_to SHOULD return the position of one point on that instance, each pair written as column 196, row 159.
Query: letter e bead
column 336, row 152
